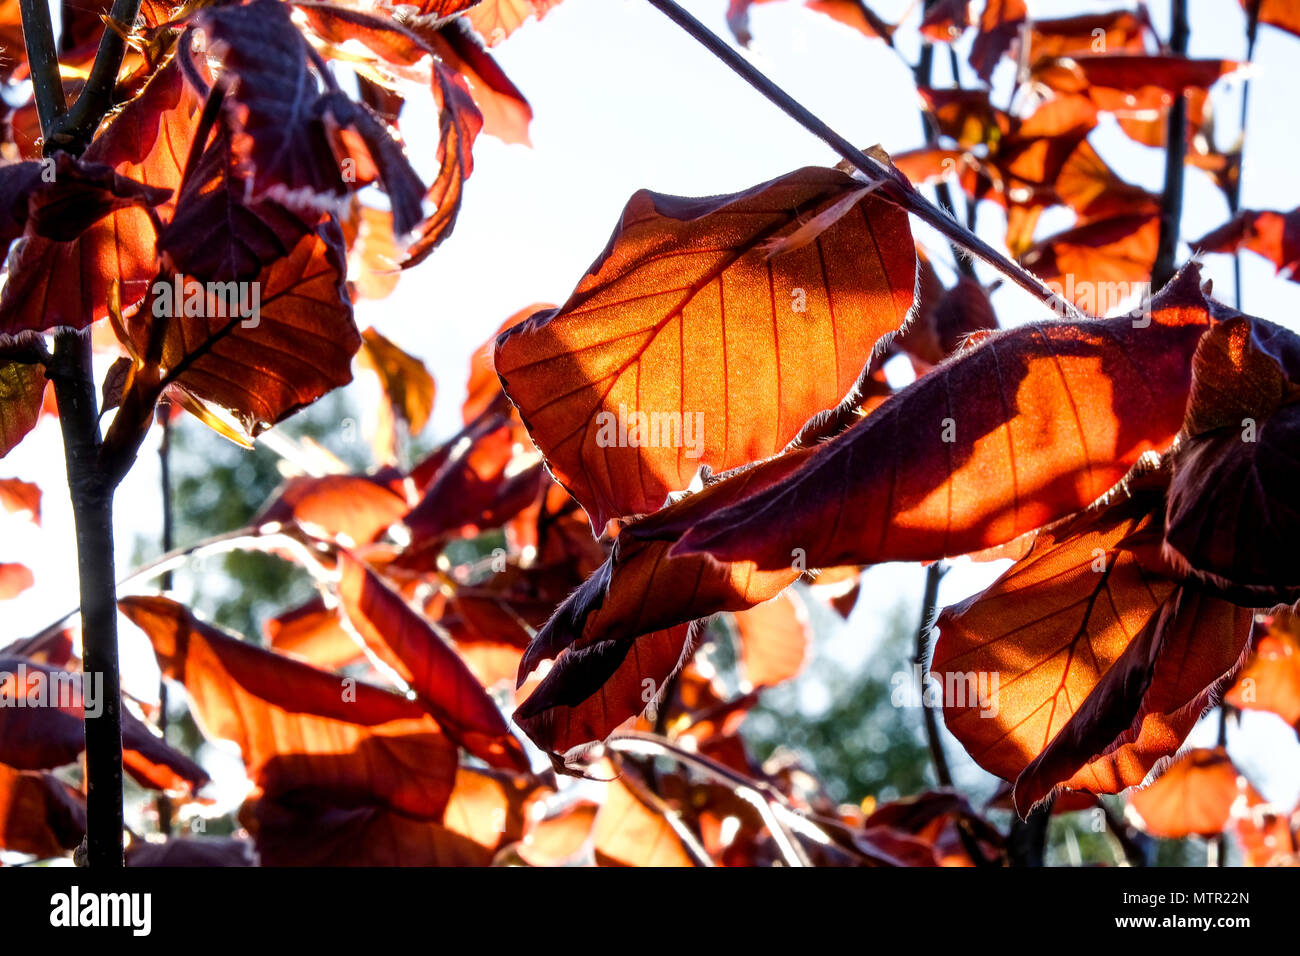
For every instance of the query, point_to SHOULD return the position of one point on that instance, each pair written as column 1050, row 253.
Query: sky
column 624, row 100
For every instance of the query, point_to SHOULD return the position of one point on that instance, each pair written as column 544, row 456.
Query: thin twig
column 74, row 130
column 1171, row 204
column 43, row 63
column 929, row 604
column 164, row 802
column 764, row 799
column 1234, row 187
column 892, row 186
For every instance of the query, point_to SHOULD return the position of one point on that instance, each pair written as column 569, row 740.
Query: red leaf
column 1112, row 31
column 14, row 580
column 1114, row 254
column 261, row 368
column 774, row 637
column 497, row 19
column 459, row 121
column 405, row 641
column 612, row 639
column 39, row 814
column 1131, row 83
column 216, row 234
column 1195, row 796
column 506, row 114
column 314, row 633
column 1063, row 642
column 22, row 390
column 1273, row 235
column 42, row 726
column 357, row 507
column 278, row 139
column 299, row 727
column 1230, row 524
column 1013, row 464
column 21, row 497
column 998, row 27
column 681, row 270
column 629, row 833
column 1271, row 679
column 67, row 283
column 1277, row 13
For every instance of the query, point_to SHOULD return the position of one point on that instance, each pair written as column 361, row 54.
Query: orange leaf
column 39, row 814
column 629, row 833
column 357, row 508
column 686, row 345
column 261, row 367
column 21, row 497
column 1043, row 420
column 67, row 283
column 300, row 728
column 1195, row 796
column 1230, row 524
column 774, row 637
column 1271, row 679
column 616, row 649
column 405, row 641
column 1077, row 616
column 14, row 580
column 497, row 19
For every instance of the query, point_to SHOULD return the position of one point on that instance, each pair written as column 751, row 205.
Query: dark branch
column 43, row 60
column 1171, row 205
column 76, row 128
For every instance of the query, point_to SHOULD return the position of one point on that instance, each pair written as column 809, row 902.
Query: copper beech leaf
column 689, row 343
column 1029, row 426
column 52, row 283
column 264, row 363
column 357, row 508
column 611, row 637
column 299, row 727
column 278, row 140
column 497, row 19
column 1269, row 233
column 407, row 642
column 1085, row 663
column 1201, row 649
column 1231, row 523
column 21, row 497
column 1194, row 796
column 39, row 814
column 459, row 123
column 314, row 633
column 216, row 233
column 485, row 811
column 506, row 113
column 1270, row 680
column 22, row 391
column 408, row 386
column 774, row 639
column 47, row 730
column 1019, row 660
column 15, row 578
column 1130, row 82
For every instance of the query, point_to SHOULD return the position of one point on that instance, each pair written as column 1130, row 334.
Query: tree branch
column 929, row 604
column 892, row 185
column 74, row 130
column 1171, row 204
column 43, row 61
column 92, row 507
column 1234, row 188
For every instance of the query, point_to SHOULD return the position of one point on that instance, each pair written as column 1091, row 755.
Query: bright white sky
column 624, row 100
